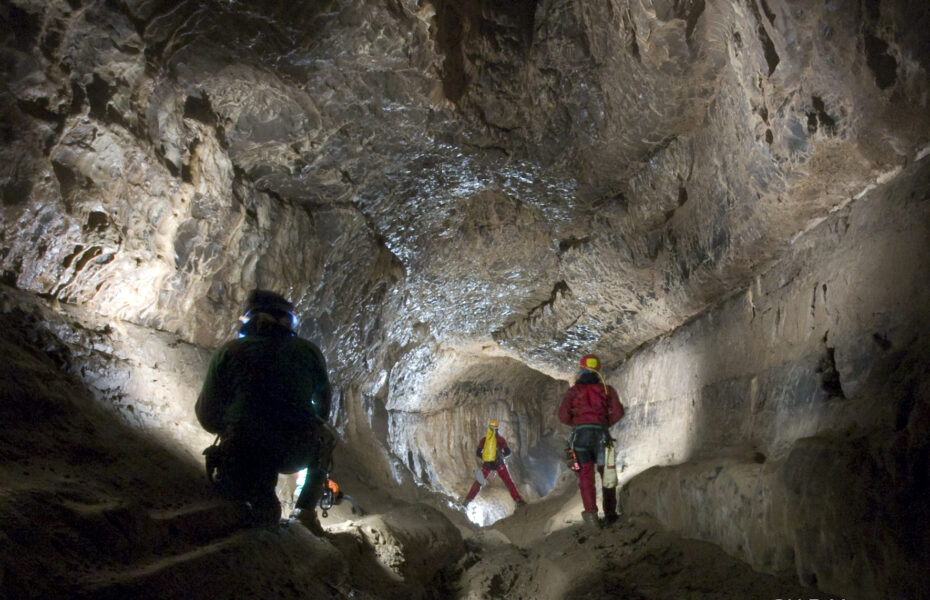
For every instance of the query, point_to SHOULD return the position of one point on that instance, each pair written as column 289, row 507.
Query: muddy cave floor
column 89, row 508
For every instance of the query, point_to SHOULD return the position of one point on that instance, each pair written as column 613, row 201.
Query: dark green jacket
column 268, row 383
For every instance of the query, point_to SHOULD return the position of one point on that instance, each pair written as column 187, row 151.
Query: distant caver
column 492, row 450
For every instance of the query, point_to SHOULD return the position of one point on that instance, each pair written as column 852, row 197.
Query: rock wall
column 439, row 442
column 636, row 160
column 148, row 380
column 463, row 197
column 796, row 411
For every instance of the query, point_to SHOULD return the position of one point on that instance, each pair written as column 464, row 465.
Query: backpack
column 489, row 454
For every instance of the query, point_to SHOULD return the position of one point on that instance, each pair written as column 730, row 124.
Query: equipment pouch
column 216, row 459
column 609, row 478
column 479, row 476
column 571, row 459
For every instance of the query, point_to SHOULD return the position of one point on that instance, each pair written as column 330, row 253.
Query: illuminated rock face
column 461, row 198
column 795, row 413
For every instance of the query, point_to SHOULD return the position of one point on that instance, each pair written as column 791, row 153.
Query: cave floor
column 633, row 558
column 91, row 508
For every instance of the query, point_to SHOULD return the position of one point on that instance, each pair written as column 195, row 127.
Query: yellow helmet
column 590, row 362
column 493, row 424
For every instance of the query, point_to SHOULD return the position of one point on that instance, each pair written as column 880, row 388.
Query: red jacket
column 587, row 403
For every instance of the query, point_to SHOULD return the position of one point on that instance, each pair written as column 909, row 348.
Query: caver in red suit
column 591, row 407
column 497, row 465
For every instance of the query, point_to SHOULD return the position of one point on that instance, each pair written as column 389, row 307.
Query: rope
column 603, row 382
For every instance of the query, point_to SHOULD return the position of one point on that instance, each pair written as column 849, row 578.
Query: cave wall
column 438, row 434
column 446, row 185
column 794, row 414
column 701, row 136
column 660, row 153
column 147, row 379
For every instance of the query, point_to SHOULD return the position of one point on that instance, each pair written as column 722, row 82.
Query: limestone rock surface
column 725, row 200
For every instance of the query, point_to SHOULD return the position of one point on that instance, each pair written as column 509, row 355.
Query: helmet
column 493, row 424
column 271, row 303
column 590, row 362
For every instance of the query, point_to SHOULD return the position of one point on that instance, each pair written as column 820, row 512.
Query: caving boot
column 590, row 518
column 520, row 502
column 610, row 519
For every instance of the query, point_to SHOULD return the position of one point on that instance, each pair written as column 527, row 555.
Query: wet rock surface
column 192, row 150
column 725, row 200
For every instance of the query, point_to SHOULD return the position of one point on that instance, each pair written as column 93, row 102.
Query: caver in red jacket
column 586, row 402
column 591, row 407
column 497, row 465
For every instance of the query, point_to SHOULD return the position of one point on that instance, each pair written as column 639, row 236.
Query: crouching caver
column 267, row 396
column 591, row 407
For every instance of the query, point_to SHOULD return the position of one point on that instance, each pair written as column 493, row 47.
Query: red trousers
column 589, row 496
column 487, row 469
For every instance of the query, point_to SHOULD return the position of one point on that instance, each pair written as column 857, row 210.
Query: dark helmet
column 270, row 303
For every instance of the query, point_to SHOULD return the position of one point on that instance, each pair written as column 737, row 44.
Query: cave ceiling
column 428, row 180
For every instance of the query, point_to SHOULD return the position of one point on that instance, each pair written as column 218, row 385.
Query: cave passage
column 728, row 202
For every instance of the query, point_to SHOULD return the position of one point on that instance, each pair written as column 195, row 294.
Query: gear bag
column 489, row 454
column 609, row 478
column 479, row 476
column 216, row 459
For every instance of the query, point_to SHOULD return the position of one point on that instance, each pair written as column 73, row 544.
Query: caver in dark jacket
column 267, row 396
